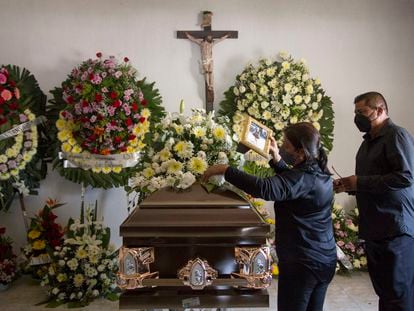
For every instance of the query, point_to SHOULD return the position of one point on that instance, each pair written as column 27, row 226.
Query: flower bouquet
column 182, row 149
column 346, row 236
column 102, row 114
column 43, row 236
column 84, row 267
column 21, row 144
column 278, row 93
column 8, row 267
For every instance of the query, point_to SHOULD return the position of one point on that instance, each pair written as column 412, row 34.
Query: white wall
column 353, row 46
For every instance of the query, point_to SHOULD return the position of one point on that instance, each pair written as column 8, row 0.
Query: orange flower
column 51, row 202
column 105, row 151
column 98, row 131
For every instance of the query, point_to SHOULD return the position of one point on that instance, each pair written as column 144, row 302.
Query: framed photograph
column 256, row 136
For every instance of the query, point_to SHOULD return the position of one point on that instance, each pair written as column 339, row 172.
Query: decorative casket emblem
column 197, row 274
column 255, row 266
column 134, row 267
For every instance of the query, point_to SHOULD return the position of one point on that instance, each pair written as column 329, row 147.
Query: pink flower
column 22, row 118
column 340, row 243
column 3, row 78
column 118, row 74
column 6, row 95
column 337, row 225
column 17, row 93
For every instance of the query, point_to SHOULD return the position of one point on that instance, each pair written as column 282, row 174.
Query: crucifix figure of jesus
column 206, row 39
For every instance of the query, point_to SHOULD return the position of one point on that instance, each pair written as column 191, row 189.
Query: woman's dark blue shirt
column 303, row 199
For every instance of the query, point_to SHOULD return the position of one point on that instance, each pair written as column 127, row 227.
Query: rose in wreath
column 22, row 105
column 102, row 111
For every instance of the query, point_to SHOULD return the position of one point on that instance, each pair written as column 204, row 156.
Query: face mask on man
column 363, row 123
column 289, row 158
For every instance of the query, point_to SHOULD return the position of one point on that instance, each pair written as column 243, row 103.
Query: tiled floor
column 346, row 293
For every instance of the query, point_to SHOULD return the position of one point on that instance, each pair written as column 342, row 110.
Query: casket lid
column 194, row 197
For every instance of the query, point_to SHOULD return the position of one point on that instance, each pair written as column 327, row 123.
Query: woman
column 303, row 198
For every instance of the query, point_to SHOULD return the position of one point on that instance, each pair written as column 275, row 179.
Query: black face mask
column 363, row 123
column 289, row 158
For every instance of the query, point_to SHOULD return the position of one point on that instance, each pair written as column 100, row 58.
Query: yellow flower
column 33, row 234
column 165, row 154
column 286, row 65
column 61, row 277
column 81, row 253
column 199, row 132
column 66, row 147
column 60, row 124
column 106, row 170
column 117, row 169
column 78, row 280
column 145, row 113
column 76, row 149
column 197, row 165
column 63, row 135
column 174, row 167
column 219, row 133
column 39, row 244
column 178, row 128
column 148, row 172
column 270, row 221
column 96, row 170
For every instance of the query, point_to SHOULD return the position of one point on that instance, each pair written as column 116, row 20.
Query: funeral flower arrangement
column 279, row 93
column 8, row 267
column 43, row 236
column 102, row 112
column 84, row 267
column 21, row 164
column 346, row 236
column 182, row 149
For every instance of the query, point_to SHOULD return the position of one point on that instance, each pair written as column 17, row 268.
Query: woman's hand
column 274, row 149
column 218, row 169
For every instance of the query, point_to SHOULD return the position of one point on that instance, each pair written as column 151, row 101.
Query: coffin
column 194, row 249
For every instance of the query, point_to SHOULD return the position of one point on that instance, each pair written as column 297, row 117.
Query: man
column 384, row 188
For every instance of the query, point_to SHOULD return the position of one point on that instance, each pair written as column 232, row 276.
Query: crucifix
column 206, row 39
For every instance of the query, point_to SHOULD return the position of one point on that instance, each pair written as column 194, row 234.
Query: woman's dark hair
column 305, row 136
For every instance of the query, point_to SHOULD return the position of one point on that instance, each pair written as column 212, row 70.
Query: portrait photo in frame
column 256, row 136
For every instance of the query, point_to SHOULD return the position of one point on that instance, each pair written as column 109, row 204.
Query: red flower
column 12, row 83
column 131, row 137
column 117, row 139
column 113, row 123
column 98, row 98
column 95, row 151
column 99, row 117
column 126, row 59
column 1, row 110
column 113, row 95
column 99, row 54
column 69, row 100
column 134, row 107
column 123, row 149
column 142, row 119
column 116, row 103
column 84, row 119
column 85, row 103
column 1, row 100
column 3, row 121
column 128, row 122
column 144, row 102
column 13, row 106
column 91, row 76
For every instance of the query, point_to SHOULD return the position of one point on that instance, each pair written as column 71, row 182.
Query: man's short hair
column 373, row 100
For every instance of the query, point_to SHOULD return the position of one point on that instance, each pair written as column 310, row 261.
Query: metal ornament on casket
column 194, row 249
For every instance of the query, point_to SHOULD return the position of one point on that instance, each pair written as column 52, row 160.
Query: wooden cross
column 206, row 39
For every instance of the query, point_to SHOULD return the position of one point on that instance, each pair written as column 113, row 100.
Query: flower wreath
column 183, row 148
column 21, row 161
column 102, row 110
column 279, row 93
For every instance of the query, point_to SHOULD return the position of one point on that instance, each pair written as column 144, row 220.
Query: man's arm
column 220, row 39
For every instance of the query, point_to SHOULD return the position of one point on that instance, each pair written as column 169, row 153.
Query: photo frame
column 256, row 136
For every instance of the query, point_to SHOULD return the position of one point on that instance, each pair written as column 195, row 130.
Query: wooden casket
column 194, row 249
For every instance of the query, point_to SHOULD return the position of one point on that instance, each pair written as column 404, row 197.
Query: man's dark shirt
column 303, row 199
column 385, row 188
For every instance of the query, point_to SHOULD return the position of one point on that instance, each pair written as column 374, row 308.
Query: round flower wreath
column 101, row 110
column 21, row 161
column 279, row 93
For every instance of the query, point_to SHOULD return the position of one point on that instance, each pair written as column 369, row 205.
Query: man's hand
column 346, row 184
column 274, row 149
column 218, row 169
